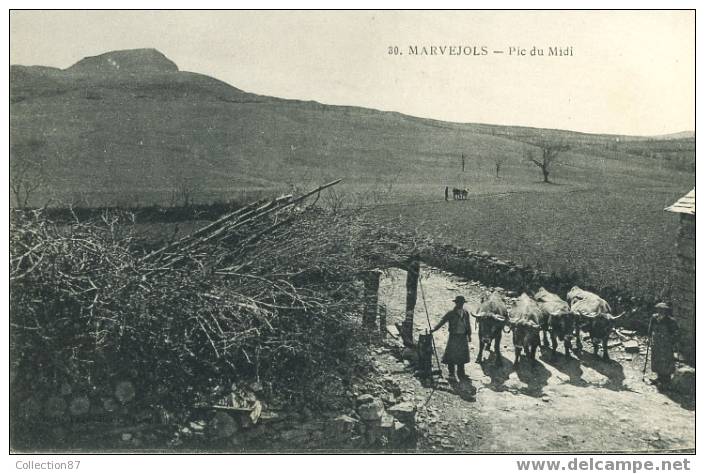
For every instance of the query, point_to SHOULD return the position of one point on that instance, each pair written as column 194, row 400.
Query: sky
column 630, row 73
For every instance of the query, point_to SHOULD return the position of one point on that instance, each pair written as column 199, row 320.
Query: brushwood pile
column 104, row 327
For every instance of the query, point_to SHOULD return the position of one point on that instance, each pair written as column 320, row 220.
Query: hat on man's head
column 459, row 299
column 662, row 306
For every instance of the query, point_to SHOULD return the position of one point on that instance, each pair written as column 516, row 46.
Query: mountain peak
column 126, row 61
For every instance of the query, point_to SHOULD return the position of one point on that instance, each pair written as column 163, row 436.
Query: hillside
column 127, row 127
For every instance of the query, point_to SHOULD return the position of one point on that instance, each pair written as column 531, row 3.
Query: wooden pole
column 412, row 282
column 371, row 282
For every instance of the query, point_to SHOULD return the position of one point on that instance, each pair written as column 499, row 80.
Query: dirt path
column 566, row 405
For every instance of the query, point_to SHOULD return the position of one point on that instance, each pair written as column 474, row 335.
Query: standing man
column 446, row 193
column 459, row 336
column 663, row 341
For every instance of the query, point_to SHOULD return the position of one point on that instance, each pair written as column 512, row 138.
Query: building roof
column 685, row 205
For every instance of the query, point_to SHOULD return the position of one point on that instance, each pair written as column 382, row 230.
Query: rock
column 392, row 330
column 273, row 416
column 125, row 391
column 404, row 412
column 222, row 426
column 364, row 398
column 683, row 380
column 631, row 346
column 126, row 436
column 386, row 423
column 343, row 426
column 389, row 399
column 199, row 425
column 65, row 389
column 545, row 398
column 371, row 411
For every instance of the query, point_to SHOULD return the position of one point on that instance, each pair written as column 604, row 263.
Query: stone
column 344, row 424
column 371, row 411
column 222, row 425
column 199, row 425
column 126, row 436
column 631, row 346
column 405, row 412
column 364, row 398
column 386, row 422
column 683, row 380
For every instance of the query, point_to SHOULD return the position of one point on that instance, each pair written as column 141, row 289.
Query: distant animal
column 557, row 320
column 593, row 315
column 491, row 319
column 525, row 322
column 460, row 194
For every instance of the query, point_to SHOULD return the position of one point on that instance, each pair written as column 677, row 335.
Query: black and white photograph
column 352, row 232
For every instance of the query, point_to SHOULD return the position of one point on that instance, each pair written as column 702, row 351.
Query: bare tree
column 26, row 177
column 27, row 173
column 548, row 153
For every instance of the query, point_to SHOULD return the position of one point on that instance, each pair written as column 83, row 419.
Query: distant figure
column 446, row 193
column 456, row 194
column 459, row 336
column 464, row 194
column 663, row 342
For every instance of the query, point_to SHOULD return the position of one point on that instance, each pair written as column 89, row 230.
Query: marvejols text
column 469, row 50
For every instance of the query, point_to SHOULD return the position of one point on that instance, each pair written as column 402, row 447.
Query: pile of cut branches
column 268, row 294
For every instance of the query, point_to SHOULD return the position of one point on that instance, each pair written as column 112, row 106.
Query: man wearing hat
column 459, row 335
column 663, row 342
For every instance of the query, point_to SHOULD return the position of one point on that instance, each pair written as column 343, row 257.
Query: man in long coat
column 663, row 343
column 459, row 336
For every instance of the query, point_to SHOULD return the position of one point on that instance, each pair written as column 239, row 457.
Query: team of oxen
column 548, row 314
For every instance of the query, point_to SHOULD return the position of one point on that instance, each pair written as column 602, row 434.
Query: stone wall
column 684, row 286
column 492, row 271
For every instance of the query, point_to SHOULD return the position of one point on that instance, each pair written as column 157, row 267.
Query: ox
column 593, row 315
column 557, row 320
column 490, row 319
column 525, row 322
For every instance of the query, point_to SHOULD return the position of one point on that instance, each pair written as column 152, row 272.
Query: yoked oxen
column 557, row 320
column 525, row 322
column 594, row 316
column 490, row 320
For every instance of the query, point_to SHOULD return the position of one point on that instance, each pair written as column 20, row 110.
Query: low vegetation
column 104, row 326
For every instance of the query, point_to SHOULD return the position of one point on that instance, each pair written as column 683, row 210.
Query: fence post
column 370, row 280
column 412, row 283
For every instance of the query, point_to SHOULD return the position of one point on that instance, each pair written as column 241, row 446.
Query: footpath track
column 581, row 404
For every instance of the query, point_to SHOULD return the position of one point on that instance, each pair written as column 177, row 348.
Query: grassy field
column 164, row 138
column 612, row 230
